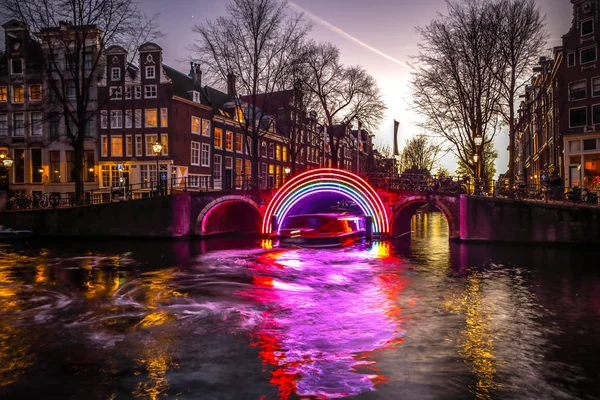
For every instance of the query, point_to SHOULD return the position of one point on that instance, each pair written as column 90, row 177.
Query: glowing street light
column 157, row 148
column 8, row 163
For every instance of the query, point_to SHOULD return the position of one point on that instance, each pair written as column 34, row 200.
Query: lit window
column 128, row 146
column 150, row 140
column 18, row 94
column 164, row 140
column 238, row 143
column 205, row 127
column 116, row 146
column 196, row 125
column 3, row 94
column 229, row 140
column 104, row 146
column 150, row 91
column 164, row 118
column 150, row 119
column 35, row 92
column 218, row 138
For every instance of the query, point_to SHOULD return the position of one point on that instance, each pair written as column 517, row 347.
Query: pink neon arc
column 349, row 180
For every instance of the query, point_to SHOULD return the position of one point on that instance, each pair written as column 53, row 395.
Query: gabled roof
column 183, row 84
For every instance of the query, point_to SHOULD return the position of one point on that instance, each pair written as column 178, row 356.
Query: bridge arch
column 405, row 209
column 229, row 214
column 327, row 180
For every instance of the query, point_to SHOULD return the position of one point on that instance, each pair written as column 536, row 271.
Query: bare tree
column 421, row 153
column 520, row 36
column 78, row 32
column 455, row 85
column 343, row 94
column 255, row 43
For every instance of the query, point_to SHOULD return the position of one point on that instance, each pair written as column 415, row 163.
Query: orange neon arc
column 309, row 182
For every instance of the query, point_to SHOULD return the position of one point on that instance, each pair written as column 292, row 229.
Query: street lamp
column 478, row 142
column 157, row 148
column 8, row 163
column 287, row 171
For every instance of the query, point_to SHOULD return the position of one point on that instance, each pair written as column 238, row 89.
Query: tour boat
column 9, row 234
column 321, row 230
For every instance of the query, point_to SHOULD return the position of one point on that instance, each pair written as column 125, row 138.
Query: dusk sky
column 380, row 35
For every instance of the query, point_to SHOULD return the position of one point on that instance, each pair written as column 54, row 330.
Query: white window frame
column 587, row 48
column 36, row 128
column 22, row 66
column 146, row 119
column 584, row 81
column 195, row 147
column 164, row 140
column 116, row 93
column 139, row 146
column 202, row 130
column 30, row 91
column 199, row 121
column 128, row 146
column 116, row 116
column 218, row 180
column 14, row 126
column 128, row 119
column 196, row 96
column 164, row 116
column 205, row 149
column 128, row 90
column 138, row 118
column 150, row 142
column 113, row 137
column 115, row 74
column 147, row 73
column 103, row 119
column 581, row 27
column 4, row 126
column 13, row 94
column 569, row 117
column 104, row 138
column 235, row 145
column 215, row 137
column 229, row 133
column 150, row 91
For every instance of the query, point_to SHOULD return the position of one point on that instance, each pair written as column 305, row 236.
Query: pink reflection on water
column 328, row 312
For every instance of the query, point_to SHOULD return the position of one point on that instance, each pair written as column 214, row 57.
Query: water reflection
column 326, row 313
column 420, row 318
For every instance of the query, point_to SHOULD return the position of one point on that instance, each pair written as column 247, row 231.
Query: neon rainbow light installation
column 327, row 180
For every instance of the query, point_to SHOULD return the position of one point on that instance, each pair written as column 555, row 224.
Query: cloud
column 345, row 34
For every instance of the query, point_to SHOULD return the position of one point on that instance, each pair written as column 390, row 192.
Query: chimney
column 231, row 84
column 198, row 75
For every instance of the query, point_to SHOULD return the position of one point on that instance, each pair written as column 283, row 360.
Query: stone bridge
column 193, row 214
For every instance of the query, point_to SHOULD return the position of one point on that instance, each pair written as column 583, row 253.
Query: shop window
column 591, row 173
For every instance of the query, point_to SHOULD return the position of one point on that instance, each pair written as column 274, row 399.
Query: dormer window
column 150, row 72
column 196, row 96
column 587, row 27
column 17, row 66
column 115, row 74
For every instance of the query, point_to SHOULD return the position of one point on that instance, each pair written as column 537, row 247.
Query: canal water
column 238, row 319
